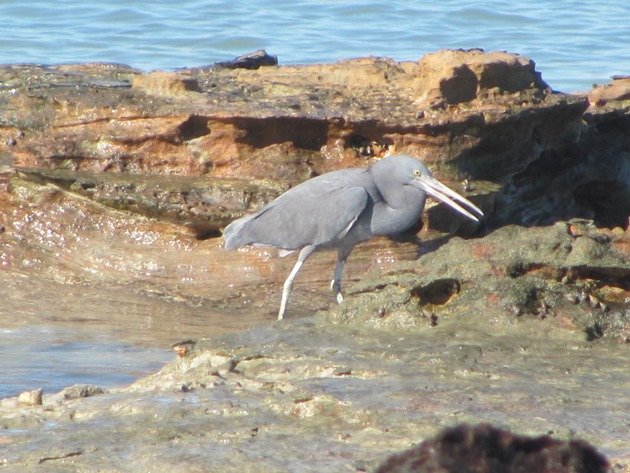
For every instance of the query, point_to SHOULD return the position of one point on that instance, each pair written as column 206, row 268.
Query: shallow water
column 54, row 335
column 574, row 43
column 51, row 358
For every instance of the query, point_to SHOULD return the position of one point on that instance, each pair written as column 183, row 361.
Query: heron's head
column 418, row 175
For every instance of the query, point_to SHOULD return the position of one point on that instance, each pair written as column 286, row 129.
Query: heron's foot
column 335, row 285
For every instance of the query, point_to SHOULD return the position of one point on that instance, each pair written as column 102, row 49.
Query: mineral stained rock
column 292, row 121
column 470, row 115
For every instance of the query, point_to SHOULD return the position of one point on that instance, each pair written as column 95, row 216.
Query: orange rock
column 482, row 250
column 617, row 91
column 285, row 122
column 165, row 83
column 565, row 322
column 456, row 76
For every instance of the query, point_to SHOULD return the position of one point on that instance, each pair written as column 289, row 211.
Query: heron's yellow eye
column 416, row 173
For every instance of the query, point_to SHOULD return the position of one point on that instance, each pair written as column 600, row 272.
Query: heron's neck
column 399, row 211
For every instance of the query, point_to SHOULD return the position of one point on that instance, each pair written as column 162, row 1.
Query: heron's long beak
column 436, row 189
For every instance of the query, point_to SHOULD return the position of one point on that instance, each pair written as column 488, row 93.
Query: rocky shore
column 118, row 181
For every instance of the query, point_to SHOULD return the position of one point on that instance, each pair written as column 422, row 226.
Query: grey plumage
column 342, row 208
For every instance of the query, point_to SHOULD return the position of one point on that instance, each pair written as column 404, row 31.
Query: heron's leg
column 335, row 284
column 286, row 289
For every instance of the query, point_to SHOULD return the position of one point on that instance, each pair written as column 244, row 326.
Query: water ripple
column 574, row 43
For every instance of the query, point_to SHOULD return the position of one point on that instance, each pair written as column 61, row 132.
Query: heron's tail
column 234, row 235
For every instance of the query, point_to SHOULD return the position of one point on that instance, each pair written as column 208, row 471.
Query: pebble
column 183, row 348
column 593, row 301
column 31, row 398
column 572, row 298
column 81, row 390
column 466, row 185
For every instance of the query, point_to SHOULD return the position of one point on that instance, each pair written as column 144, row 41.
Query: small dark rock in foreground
column 487, row 449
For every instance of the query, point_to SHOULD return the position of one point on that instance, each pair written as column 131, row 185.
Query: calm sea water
column 52, row 358
column 575, row 43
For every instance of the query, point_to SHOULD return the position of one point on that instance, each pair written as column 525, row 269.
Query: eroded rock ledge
column 468, row 114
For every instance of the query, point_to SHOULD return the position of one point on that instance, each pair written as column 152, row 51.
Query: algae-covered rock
column 512, row 272
column 81, row 390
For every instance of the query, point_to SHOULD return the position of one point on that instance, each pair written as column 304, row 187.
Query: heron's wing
column 316, row 212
